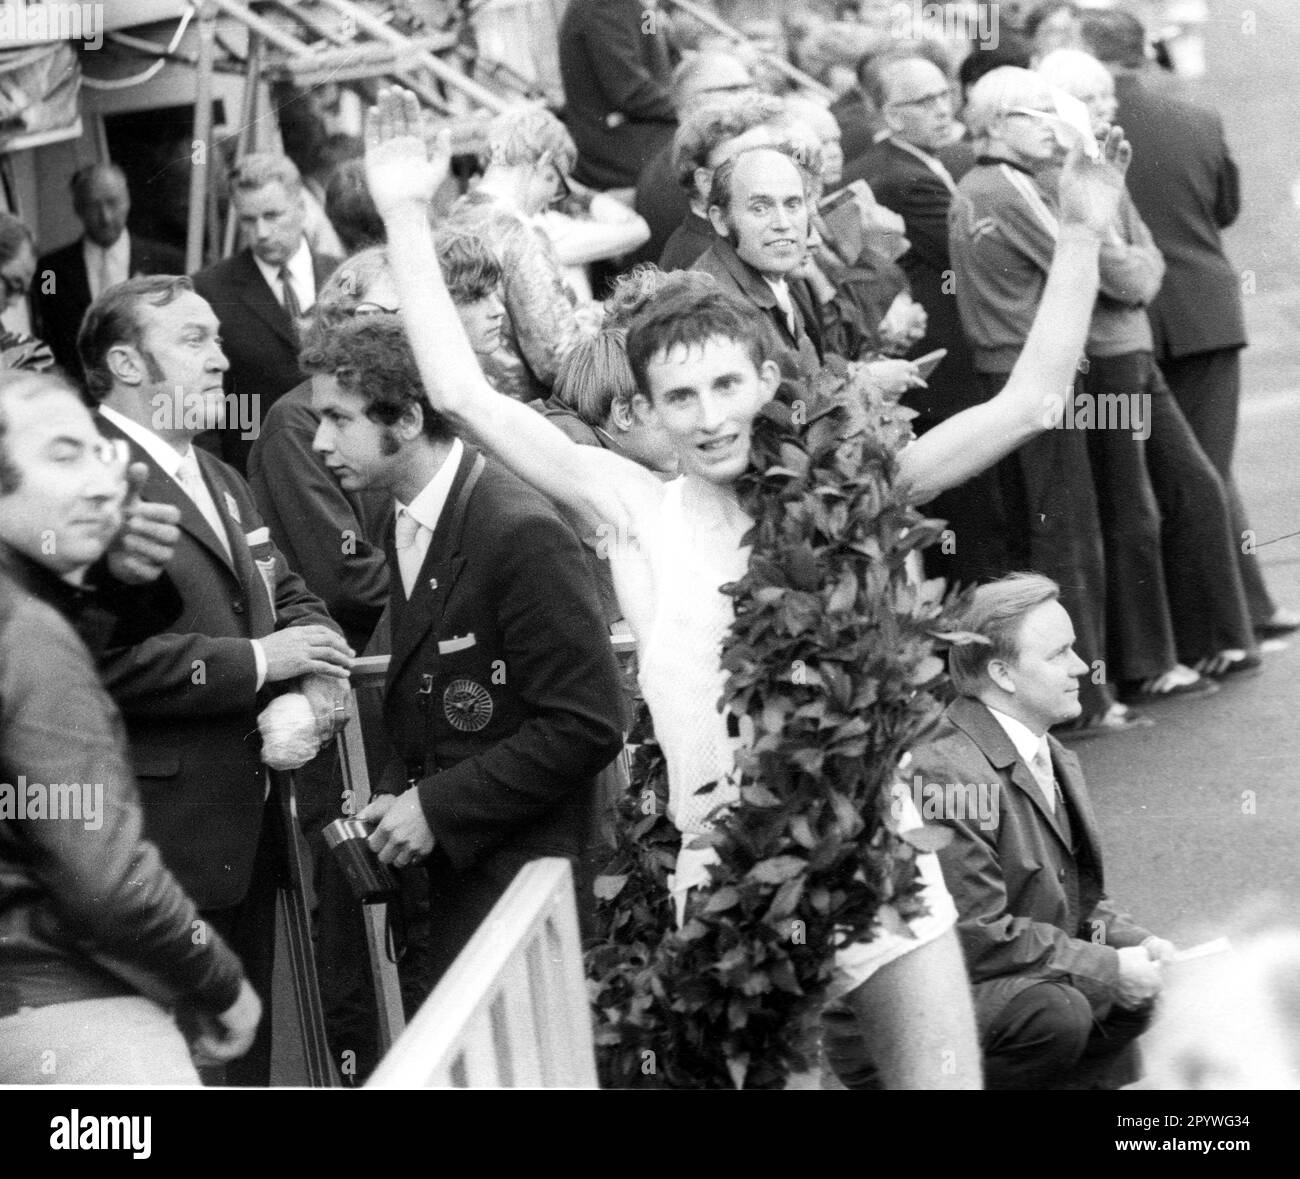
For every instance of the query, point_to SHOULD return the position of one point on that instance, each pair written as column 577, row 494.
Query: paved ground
column 1184, row 849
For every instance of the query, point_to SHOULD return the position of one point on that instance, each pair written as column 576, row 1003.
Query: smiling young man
column 502, row 701
column 700, row 365
column 1062, row 980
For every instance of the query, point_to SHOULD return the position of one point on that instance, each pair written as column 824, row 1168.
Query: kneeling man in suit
column 1063, row 980
column 502, row 701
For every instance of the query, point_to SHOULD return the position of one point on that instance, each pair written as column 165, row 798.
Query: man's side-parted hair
column 260, row 168
column 114, row 318
column 349, row 285
column 595, row 374
column 371, row 357
column 997, row 92
column 689, row 314
column 996, row 613
column 874, row 72
column 720, row 118
column 1115, row 37
column 522, row 135
column 469, row 267
column 31, row 385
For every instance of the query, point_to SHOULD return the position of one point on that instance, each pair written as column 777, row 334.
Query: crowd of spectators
column 323, row 428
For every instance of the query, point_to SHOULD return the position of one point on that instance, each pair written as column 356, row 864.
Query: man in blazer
column 617, row 76
column 1063, row 980
column 259, row 295
column 68, row 280
column 912, row 172
column 756, row 253
column 1185, row 184
column 191, row 694
column 502, row 701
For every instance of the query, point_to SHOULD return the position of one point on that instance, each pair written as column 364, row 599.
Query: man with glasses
column 1040, row 508
column 96, row 936
column 913, row 169
column 530, row 156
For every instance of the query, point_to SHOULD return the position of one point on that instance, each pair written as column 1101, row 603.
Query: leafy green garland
column 833, row 657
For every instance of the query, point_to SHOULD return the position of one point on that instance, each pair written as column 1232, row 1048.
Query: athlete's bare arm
column 1042, row 380
column 404, row 167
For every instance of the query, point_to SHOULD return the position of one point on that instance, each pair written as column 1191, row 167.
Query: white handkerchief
column 257, row 536
column 459, row 643
column 233, row 508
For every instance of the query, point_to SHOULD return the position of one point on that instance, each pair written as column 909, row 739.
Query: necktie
column 191, row 479
column 409, row 558
column 291, row 304
column 1041, row 765
column 105, row 273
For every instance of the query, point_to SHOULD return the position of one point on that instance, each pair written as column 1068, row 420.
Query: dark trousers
column 1201, row 551
column 249, row 928
column 1035, row 510
column 1139, row 623
column 1207, row 387
column 1047, row 1038
column 1044, row 1038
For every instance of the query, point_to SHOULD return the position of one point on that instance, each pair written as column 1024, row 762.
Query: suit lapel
column 978, row 723
column 262, row 301
column 162, row 488
column 443, row 564
column 1070, row 776
column 260, row 596
column 80, row 293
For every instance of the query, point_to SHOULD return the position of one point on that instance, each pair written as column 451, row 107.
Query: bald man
column 68, row 280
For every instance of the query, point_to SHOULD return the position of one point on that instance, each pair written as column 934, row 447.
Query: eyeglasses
column 362, row 309
column 1029, row 112
column 937, row 99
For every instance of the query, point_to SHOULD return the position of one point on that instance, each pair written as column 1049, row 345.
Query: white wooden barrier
column 511, row 1012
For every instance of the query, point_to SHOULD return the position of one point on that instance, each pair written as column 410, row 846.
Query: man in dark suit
column 259, row 295
column 191, row 694
column 502, row 698
column 69, row 279
column 616, row 72
column 1063, row 980
column 1184, row 182
column 914, row 170
column 759, row 209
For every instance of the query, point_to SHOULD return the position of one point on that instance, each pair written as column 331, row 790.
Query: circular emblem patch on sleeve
column 467, row 705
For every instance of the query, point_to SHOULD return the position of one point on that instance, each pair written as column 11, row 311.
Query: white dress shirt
column 1028, row 745
column 301, row 272
column 425, row 510
column 107, row 267
column 785, row 301
column 171, row 461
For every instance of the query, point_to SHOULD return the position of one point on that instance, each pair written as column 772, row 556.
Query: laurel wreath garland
column 833, row 656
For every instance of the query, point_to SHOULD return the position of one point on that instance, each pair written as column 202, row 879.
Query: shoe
column 1136, row 691
column 1283, row 622
column 1117, row 719
column 1246, row 664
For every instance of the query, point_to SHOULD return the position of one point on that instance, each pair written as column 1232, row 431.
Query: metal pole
column 422, row 58
column 247, row 122
column 202, row 148
column 718, row 25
